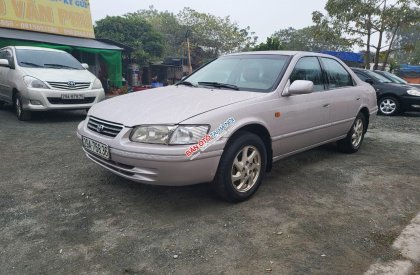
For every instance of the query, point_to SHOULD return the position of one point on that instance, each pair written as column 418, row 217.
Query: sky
column 263, row 16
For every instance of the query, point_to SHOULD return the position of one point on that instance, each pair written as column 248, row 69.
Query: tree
column 407, row 45
column 168, row 25
column 215, row 35
column 272, row 44
column 134, row 32
column 363, row 18
column 313, row 38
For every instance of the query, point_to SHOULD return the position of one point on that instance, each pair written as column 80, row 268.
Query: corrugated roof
column 56, row 39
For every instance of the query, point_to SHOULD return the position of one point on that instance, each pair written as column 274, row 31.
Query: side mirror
column 4, row 63
column 86, row 66
column 369, row 80
column 299, row 87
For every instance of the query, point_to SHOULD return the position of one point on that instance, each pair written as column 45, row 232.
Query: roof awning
column 56, row 39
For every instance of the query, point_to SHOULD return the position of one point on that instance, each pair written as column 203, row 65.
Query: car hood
column 168, row 105
column 59, row 75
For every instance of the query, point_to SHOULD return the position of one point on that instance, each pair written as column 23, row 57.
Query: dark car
column 393, row 98
column 396, row 79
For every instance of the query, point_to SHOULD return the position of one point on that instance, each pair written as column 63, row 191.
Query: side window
column 308, row 68
column 336, row 74
column 361, row 76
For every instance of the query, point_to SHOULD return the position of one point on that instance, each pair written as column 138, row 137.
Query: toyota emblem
column 99, row 128
column 71, row 84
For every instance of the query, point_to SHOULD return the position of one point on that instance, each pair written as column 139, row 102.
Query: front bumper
column 154, row 164
column 49, row 99
column 410, row 103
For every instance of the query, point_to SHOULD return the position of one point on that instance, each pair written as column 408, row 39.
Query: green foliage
column 272, row 44
column 314, row 38
column 363, row 18
column 215, row 35
column 407, row 45
column 167, row 24
column 135, row 32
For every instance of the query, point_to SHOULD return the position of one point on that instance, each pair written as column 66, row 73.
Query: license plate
column 96, row 148
column 72, row 96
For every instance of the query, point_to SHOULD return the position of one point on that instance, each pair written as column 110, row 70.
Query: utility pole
column 187, row 35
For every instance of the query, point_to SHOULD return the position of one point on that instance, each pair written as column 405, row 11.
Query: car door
column 6, row 76
column 304, row 118
column 345, row 97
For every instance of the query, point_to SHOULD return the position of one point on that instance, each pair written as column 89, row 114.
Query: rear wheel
column 389, row 106
column 21, row 114
column 355, row 136
column 241, row 168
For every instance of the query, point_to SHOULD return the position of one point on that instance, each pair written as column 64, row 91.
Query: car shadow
column 49, row 116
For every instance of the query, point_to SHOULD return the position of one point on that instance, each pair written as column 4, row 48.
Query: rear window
column 47, row 59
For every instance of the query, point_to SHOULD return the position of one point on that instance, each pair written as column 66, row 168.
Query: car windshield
column 258, row 73
column 378, row 77
column 47, row 59
column 395, row 78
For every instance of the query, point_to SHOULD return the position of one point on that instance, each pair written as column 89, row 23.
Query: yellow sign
column 65, row 17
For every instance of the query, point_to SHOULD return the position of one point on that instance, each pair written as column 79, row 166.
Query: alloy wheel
column 388, row 106
column 18, row 107
column 246, row 168
column 357, row 135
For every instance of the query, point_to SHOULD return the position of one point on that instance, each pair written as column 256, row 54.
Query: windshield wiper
column 219, row 85
column 32, row 64
column 186, row 83
column 60, row 66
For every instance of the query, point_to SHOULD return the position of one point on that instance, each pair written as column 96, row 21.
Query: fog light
column 35, row 102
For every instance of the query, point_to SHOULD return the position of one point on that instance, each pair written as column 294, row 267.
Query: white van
column 41, row 79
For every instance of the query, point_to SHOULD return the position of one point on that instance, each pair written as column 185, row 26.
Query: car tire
column 249, row 172
column 21, row 114
column 388, row 106
column 354, row 139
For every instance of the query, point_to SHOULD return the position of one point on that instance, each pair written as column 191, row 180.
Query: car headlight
column 32, row 82
column 159, row 134
column 413, row 92
column 169, row 134
column 190, row 134
column 97, row 84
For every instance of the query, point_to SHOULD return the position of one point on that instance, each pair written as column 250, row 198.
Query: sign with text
column 64, row 17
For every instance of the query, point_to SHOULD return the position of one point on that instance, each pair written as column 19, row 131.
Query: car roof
column 289, row 53
column 36, row 48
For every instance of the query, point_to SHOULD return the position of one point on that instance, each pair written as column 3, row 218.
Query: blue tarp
column 346, row 56
column 409, row 68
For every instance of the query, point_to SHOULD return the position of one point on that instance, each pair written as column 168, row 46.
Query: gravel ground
column 317, row 212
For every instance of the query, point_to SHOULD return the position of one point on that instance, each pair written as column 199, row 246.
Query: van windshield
column 258, row 73
column 47, row 59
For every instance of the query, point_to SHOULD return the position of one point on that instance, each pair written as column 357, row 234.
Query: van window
column 47, row 59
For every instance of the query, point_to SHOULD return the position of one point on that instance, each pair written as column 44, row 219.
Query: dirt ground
column 319, row 212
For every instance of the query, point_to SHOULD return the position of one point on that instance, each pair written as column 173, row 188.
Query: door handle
column 326, row 105
column 358, row 98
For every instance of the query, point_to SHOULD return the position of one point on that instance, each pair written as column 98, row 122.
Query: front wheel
column 241, row 168
column 353, row 141
column 21, row 114
column 389, row 106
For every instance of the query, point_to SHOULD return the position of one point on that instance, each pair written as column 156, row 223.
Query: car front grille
column 58, row 100
column 104, row 127
column 70, row 85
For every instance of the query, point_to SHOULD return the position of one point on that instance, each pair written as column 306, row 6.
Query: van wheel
column 21, row 114
column 241, row 168
column 354, row 138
